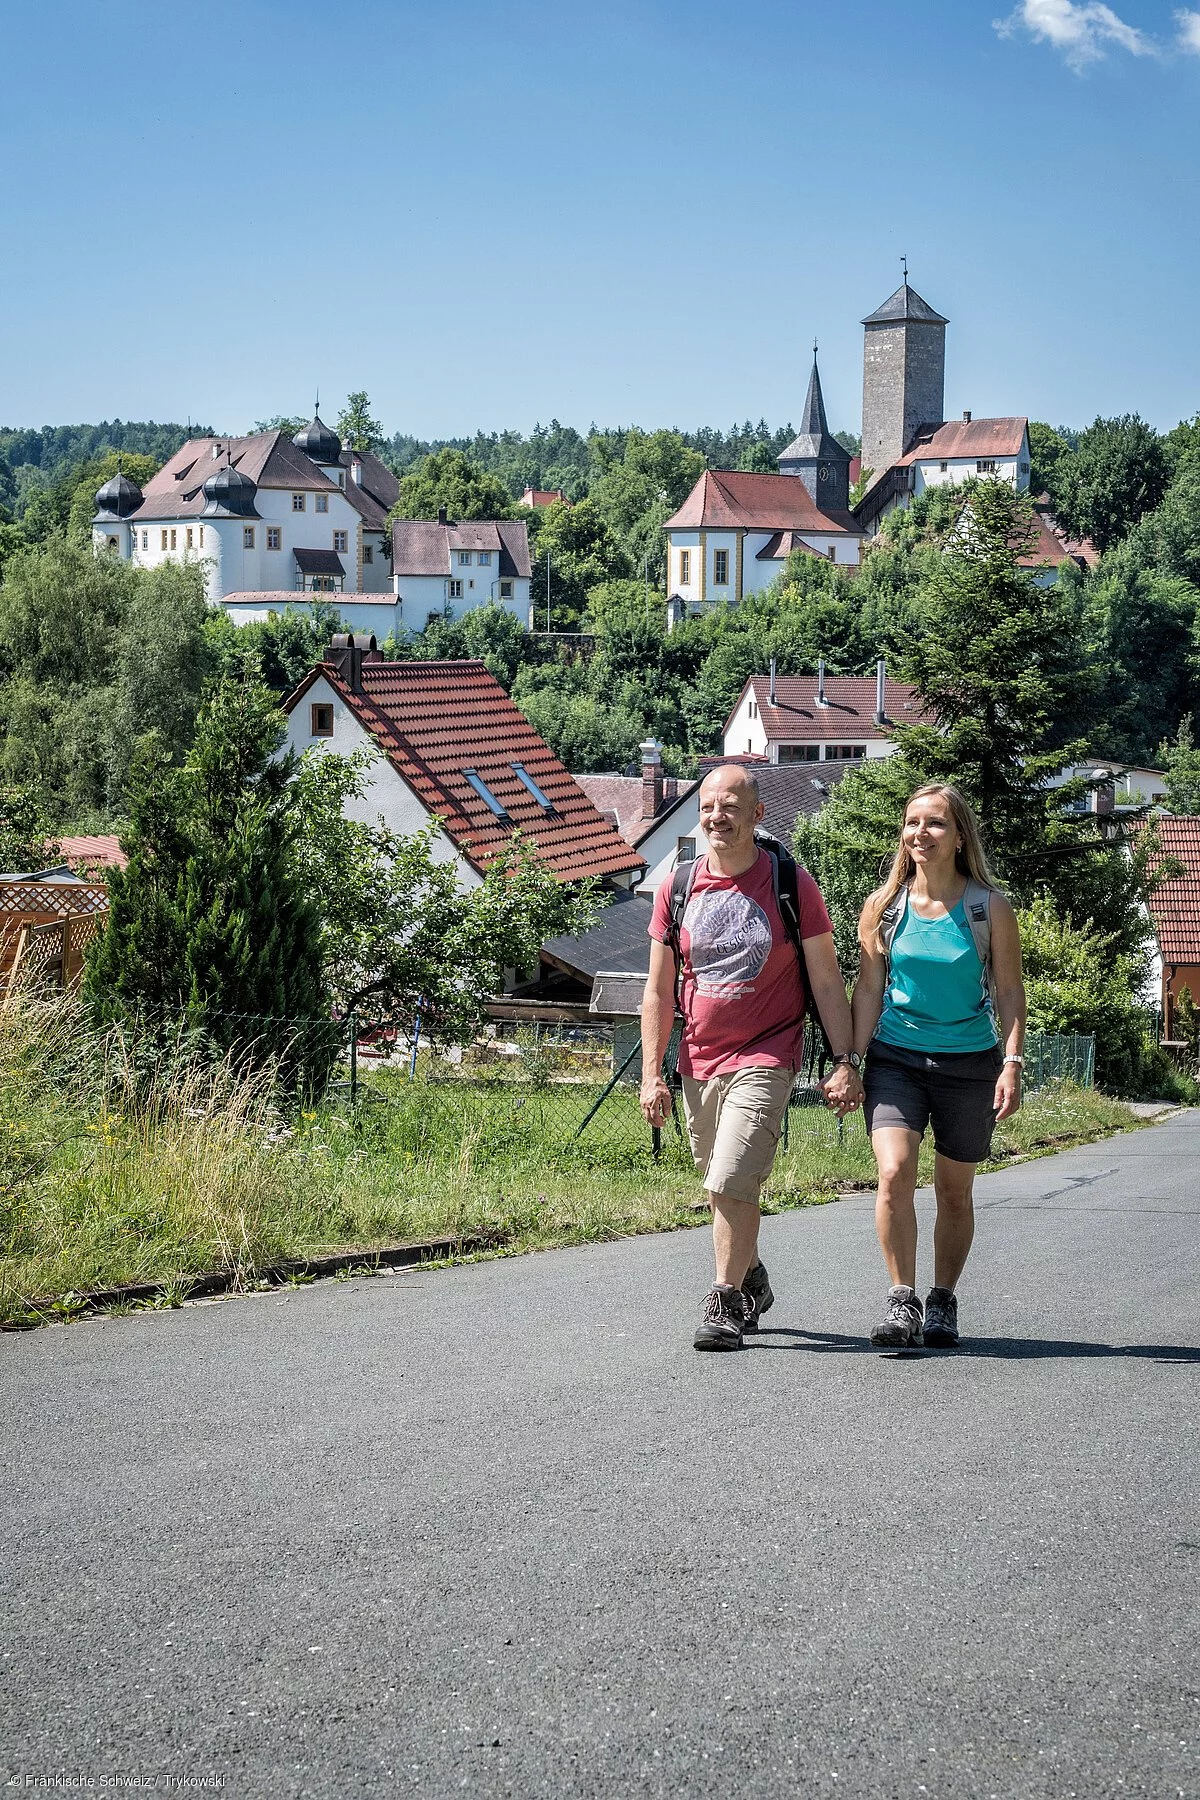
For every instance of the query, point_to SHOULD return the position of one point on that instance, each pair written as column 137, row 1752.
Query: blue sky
column 488, row 216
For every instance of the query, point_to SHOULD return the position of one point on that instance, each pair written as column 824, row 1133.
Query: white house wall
column 387, row 795
column 356, row 612
column 423, row 595
column 232, row 566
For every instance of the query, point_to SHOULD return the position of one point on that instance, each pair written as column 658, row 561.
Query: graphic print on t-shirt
column 729, row 942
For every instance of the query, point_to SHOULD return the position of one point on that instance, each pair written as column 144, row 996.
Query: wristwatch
column 849, row 1056
column 1019, row 1060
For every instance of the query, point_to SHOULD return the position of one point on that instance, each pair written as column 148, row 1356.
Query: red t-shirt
column 741, row 994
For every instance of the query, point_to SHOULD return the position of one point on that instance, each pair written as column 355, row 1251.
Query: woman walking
column 941, row 958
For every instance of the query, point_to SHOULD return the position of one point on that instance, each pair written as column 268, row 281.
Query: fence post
column 353, row 1056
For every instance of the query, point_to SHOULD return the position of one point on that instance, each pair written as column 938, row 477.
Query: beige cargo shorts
column 734, row 1122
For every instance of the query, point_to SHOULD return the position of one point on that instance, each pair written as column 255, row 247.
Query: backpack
column 785, row 881
column 977, row 901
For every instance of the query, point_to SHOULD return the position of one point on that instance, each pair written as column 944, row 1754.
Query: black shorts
column 953, row 1092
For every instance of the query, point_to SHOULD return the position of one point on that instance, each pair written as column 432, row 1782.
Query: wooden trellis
column 44, row 929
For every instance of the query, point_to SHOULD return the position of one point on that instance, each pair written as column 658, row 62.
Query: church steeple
column 814, row 454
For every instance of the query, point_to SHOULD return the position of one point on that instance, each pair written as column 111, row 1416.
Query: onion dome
column 118, row 498
column 316, row 440
column 229, row 491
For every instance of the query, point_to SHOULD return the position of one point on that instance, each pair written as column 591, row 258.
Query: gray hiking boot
column 724, row 1320
column 756, row 1291
column 901, row 1325
column 941, row 1319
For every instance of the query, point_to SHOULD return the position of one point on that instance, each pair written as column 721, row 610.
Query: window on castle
column 247, row 537
column 721, row 568
column 274, row 537
column 368, row 553
column 322, row 502
column 340, row 540
column 485, row 557
column 174, row 539
column 297, row 502
column 455, row 590
column 145, row 540
column 464, row 559
column 506, row 590
column 685, row 568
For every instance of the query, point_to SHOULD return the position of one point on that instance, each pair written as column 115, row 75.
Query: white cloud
column 1189, row 31
column 1084, row 31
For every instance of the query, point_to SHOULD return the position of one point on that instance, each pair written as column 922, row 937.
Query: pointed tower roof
column 905, row 303
column 814, row 440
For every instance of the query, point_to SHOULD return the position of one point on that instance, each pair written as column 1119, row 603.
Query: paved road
column 499, row 1529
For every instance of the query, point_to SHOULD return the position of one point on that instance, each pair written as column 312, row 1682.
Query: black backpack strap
column 683, row 879
column 785, row 879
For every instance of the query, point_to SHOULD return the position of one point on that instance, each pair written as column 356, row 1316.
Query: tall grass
column 129, row 1158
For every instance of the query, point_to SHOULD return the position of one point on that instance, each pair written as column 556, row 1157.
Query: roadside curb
column 213, row 1286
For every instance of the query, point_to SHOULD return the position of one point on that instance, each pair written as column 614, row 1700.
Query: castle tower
column 819, row 461
column 904, row 376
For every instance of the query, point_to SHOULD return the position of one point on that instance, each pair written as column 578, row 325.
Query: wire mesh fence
column 564, row 1092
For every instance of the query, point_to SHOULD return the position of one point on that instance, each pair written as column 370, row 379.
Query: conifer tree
column 210, row 923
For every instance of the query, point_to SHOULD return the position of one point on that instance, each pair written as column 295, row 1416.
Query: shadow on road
column 1005, row 1349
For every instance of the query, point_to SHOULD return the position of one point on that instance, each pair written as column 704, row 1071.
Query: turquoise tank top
column 937, row 996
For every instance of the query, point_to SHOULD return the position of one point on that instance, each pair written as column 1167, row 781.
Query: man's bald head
column 731, row 776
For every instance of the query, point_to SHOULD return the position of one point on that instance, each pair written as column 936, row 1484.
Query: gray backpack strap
column 977, row 904
column 892, row 918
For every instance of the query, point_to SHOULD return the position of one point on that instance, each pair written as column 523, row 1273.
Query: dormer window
column 485, row 794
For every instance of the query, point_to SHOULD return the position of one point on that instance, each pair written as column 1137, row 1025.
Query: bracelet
column 1019, row 1060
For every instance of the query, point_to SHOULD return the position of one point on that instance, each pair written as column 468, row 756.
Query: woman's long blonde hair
column 970, row 858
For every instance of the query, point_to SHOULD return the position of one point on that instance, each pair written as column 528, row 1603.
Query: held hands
column 655, row 1100
column 843, row 1090
column 1008, row 1092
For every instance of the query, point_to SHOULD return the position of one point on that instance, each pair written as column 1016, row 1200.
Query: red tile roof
column 543, row 497
column 1175, row 904
column 1052, row 547
column 93, row 852
column 849, row 715
column 434, row 720
column 958, row 438
column 730, row 499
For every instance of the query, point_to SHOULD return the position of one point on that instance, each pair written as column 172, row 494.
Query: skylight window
column 485, row 794
column 522, row 774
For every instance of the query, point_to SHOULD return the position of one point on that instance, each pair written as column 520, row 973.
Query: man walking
column 741, row 988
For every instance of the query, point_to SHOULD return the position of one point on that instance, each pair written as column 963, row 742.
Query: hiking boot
column 900, row 1327
column 756, row 1291
column 724, row 1320
column 941, row 1319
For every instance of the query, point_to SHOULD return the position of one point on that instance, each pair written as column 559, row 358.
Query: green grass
column 115, row 1172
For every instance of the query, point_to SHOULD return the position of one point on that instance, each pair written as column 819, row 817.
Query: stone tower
column 814, row 456
column 904, row 376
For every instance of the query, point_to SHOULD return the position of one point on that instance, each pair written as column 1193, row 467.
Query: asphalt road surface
column 499, row 1528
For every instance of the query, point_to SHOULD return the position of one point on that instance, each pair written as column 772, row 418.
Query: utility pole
column 547, row 591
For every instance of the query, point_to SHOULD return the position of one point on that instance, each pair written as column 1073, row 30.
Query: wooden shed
column 46, row 920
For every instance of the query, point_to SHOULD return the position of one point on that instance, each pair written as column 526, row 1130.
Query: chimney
column 346, row 652
column 652, row 779
column 773, row 699
column 356, row 472
column 441, row 515
column 821, row 700
column 880, row 688
column 1103, row 795
column 966, row 418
